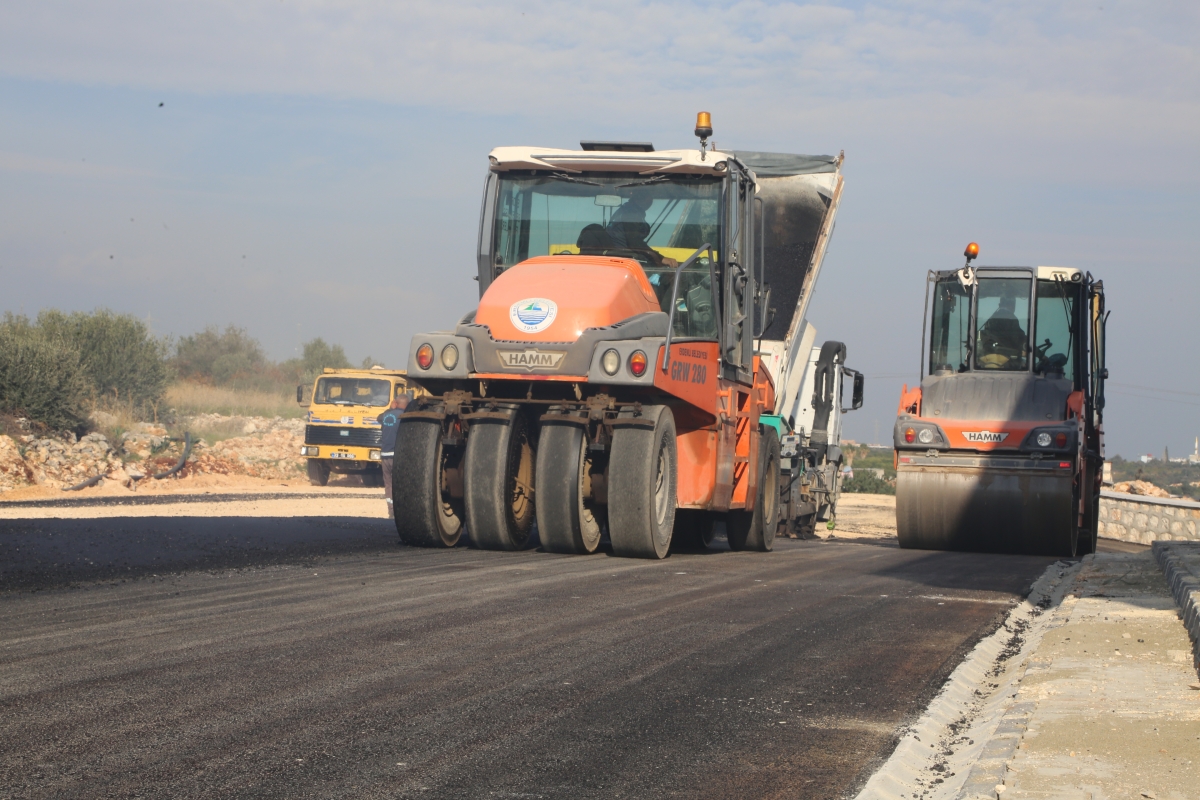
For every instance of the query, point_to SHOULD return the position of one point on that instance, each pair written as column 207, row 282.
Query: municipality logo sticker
column 533, row 314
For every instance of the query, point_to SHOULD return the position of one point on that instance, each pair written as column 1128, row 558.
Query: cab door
column 740, row 292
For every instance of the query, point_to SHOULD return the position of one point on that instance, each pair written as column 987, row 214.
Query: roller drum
column 991, row 510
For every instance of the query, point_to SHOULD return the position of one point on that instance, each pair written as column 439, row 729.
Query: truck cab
column 342, row 434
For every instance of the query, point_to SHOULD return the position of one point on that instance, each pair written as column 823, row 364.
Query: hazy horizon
column 314, row 169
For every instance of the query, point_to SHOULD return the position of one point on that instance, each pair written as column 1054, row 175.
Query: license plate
column 342, row 455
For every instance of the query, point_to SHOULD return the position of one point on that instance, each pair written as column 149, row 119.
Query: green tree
column 318, row 355
column 123, row 360
column 222, row 358
column 41, row 375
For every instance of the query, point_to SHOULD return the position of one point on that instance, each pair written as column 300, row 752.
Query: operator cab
column 655, row 207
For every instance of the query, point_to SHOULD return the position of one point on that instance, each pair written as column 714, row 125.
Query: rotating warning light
column 972, row 251
column 704, row 125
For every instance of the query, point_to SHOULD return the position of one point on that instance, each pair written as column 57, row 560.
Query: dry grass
column 194, row 398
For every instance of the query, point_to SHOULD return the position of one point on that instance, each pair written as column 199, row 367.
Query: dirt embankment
column 245, row 451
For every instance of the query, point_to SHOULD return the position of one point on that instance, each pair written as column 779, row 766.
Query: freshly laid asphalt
column 315, row 657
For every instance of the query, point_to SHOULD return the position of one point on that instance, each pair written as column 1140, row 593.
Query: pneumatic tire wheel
column 318, row 472
column 568, row 519
column 755, row 530
column 693, row 530
column 642, row 484
column 423, row 476
column 498, row 475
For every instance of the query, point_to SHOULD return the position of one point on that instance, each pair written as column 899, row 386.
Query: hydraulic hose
column 187, row 450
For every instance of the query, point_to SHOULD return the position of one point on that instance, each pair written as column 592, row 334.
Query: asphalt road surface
column 192, row 657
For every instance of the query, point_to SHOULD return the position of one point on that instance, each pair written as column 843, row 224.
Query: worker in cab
column 389, row 422
column 1002, row 340
column 628, row 230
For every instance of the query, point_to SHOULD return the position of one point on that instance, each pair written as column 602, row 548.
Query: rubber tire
column 494, row 453
column 643, row 474
column 565, row 523
column 318, row 472
column 755, row 530
column 694, row 530
column 424, row 518
column 1067, row 539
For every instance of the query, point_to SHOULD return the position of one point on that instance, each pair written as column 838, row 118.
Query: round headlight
column 1043, row 439
column 610, row 362
column 637, row 363
column 449, row 357
column 926, row 436
column 425, row 356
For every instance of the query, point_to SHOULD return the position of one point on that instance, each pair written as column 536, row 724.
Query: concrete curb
column 1177, row 561
column 966, row 736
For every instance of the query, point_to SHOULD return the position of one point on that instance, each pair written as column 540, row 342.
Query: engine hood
column 557, row 298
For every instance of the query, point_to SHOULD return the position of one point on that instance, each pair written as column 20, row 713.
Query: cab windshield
column 353, row 392
column 657, row 221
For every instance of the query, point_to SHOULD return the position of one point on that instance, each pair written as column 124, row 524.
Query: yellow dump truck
column 343, row 430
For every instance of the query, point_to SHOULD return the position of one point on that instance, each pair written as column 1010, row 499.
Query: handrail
column 712, row 277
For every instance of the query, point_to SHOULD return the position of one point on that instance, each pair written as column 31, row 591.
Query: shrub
column 125, row 363
column 219, row 358
column 865, row 482
column 41, row 375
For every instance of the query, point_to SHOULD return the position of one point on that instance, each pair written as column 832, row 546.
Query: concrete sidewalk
column 1109, row 705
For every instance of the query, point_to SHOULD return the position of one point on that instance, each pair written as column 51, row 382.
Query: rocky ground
column 253, row 447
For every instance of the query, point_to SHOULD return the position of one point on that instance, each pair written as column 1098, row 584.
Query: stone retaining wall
column 1142, row 520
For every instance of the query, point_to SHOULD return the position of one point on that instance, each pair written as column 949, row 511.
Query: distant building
column 1194, row 458
column 1146, row 459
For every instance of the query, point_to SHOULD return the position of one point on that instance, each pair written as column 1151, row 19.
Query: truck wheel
column 755, row 530
column 642, row 479
column 566, row 516
column 498, row 475
column 427, row 515
column 693, row 530
column 318, row 472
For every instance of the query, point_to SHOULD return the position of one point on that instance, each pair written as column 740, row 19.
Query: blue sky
column 315, row 167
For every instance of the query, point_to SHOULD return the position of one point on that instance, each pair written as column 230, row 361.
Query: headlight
column 610, row 362
column 926, row 436
column 425, row 356
column 449, row 357
column 310, row 451
column 1043, row 439
column 373, row 455
column 637, row 363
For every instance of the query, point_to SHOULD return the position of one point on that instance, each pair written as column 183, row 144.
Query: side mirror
column 859, row 381
column 300, row 394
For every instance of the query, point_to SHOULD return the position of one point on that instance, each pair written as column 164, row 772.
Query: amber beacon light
column 972, row 252
column 703, row 130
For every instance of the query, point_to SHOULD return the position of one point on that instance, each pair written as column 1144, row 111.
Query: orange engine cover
column 556, row 298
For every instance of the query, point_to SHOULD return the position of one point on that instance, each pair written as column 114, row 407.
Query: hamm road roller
column 613, row 379
column 1000, row 447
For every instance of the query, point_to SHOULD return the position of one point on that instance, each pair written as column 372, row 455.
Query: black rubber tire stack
column 498, row 477
column 425, row 517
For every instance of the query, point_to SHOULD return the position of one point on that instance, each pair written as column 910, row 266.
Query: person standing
column 390, row 422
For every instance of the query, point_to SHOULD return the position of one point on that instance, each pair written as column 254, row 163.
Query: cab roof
column 366, row 373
